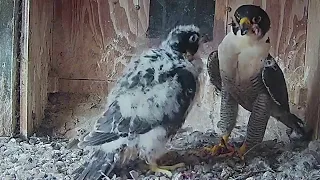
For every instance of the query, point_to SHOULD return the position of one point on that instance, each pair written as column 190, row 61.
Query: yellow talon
column 242, row 150
column 173, row 167
column 165, row 169
column 223, row 144
column 213, row 150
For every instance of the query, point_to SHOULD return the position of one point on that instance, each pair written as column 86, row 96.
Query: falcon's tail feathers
column 100, row 164
column 296, row 124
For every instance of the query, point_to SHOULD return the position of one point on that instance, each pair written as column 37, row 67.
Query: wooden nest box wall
column 72, row 51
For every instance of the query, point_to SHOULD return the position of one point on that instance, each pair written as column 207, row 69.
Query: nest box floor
column 46, row 158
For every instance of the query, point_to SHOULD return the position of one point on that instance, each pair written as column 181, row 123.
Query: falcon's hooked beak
column 251, row 20
column 245, row 25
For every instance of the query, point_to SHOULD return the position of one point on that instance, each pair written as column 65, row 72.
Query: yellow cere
column 245, row 20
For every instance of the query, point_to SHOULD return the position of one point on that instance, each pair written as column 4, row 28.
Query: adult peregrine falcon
column 147, row 105
column 248, row 75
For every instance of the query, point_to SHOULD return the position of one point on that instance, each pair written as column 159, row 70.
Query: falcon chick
column 146, row 107
column 248, row 75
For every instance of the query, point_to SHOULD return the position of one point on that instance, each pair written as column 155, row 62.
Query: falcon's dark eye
column 269, row 63
column 256, row 19
column 193, row 38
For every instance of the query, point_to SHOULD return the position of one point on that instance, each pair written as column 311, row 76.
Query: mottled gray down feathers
column 180, row 88
column 274, row 82
column 147, row 105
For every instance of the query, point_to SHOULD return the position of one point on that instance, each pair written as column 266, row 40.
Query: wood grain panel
column 37, row 50
column 288, row 40
column 220, row 20
column 83, row 86
column 95, row 40
column 313, row 56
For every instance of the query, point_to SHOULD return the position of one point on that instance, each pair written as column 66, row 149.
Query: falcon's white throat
column 241, row 57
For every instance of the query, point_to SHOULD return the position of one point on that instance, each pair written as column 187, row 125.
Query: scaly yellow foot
column 165, row 169
column 220, row 148
column 242, row 150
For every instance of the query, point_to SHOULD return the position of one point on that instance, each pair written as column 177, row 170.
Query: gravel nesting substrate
column 45, row 158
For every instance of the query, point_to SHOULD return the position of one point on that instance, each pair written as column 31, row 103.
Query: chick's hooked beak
column 245, row 25
column 191, row 55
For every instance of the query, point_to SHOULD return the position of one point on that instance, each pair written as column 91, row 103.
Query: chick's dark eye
column 193, row 38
